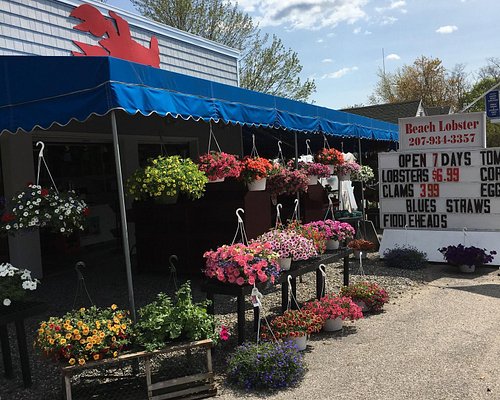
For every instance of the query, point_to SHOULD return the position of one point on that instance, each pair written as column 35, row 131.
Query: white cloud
column 368, row 33
column 319, row 41
column 394, row 5
column 356, row 31
column 388, row 20
column 393, row 56
column 340, row 73
column 326, row 60
column 305, row 14
column 447, row 29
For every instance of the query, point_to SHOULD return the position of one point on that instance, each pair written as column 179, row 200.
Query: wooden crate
column 176, row 371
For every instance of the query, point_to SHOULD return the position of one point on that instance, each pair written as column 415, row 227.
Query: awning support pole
column 362, row 183
column 297, row 167
column 123, row 216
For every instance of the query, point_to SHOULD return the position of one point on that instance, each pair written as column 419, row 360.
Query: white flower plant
column 15, row 283
column 38, row 207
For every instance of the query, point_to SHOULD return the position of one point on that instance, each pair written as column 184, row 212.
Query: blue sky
column 340, row 42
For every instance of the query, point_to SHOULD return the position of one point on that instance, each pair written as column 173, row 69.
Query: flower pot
column 362, row 252
column 344, row 177
column 468, row 269
column 361, row 304
column 218, row 180
column 332, row 325
column 330, row 167
column 257, row 186
column 164, row 199
column 313, row 180
column 332, row 244
column 285, row 263
column 300, row 342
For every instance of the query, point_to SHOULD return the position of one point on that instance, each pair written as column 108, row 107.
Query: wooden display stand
column 185, row 385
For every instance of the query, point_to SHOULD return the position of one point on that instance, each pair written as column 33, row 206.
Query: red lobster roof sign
column 116, row 42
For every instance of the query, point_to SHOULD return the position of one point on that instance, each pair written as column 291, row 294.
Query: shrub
column 406, row 257
column 267, row 365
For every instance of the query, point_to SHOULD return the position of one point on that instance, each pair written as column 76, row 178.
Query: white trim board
column 429, row 241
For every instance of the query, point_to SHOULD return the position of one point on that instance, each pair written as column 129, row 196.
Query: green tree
column 478, row 89
column 427, row 80
column 266, row 65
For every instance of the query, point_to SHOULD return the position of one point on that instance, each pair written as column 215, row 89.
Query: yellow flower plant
column 85, row 335
column 167, row 177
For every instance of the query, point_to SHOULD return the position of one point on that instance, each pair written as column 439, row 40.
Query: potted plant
column 405, row 257
column 164, row 178
column 345, row 170
column 282, row 181
column 313, row 170
column 289, row 245
column 364, row 174
column 164, row 320
column 219, row 165
column 84, row 335
column 361, row 247
column 254, row 171
column 293, row 325
column 330, row 157
column 310, row 232
column 242, row 264
column 265, row 366
column 39, row 207
column 15, row 285
column 334, row 309
column 335, row 232
column 368, row 295
column 467, row 258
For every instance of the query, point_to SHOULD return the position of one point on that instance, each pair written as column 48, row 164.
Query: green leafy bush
column 266, row 365
column 164, row 320
column 406, row 257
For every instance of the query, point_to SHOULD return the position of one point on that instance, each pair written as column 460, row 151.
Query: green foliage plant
column 405, row 257
column 164, row 320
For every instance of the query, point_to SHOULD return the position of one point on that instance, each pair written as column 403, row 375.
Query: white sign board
column 442, row 131
column 440, row 190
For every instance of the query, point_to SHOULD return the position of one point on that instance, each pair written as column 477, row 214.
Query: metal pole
column 297, row 167
column 362, row 187
column 123, row 216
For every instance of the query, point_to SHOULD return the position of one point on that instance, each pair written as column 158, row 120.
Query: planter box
column 178, row 371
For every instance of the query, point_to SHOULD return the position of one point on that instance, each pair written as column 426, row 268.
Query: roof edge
column 150, row 25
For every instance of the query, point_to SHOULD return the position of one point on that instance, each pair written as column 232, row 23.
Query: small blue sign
column 492, row 104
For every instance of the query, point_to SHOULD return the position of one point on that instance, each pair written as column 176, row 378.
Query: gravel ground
column 105, row 279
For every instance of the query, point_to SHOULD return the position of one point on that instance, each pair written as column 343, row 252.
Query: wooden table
column 17, row 314
column 299, row 268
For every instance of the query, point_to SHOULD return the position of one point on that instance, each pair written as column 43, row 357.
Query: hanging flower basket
column 282, row 181
column 219, row 165
column 15, row 284
column 345, row 170
column 289, row 244
column 166, row 177
column 329, row 157
column 255, row 169
column 38, row 207
column 257, row 185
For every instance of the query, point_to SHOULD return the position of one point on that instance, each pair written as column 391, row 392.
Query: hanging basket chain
column 240, row 228
column 254, row 152
column 40, row 159
column 210, row 136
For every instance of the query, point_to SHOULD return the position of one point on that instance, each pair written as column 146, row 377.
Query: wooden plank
column 209, row 360
column 182, row 393
column 179, row 381
column 138, row 354
column 147, row 367
column 209, row 393
column 67, row 387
